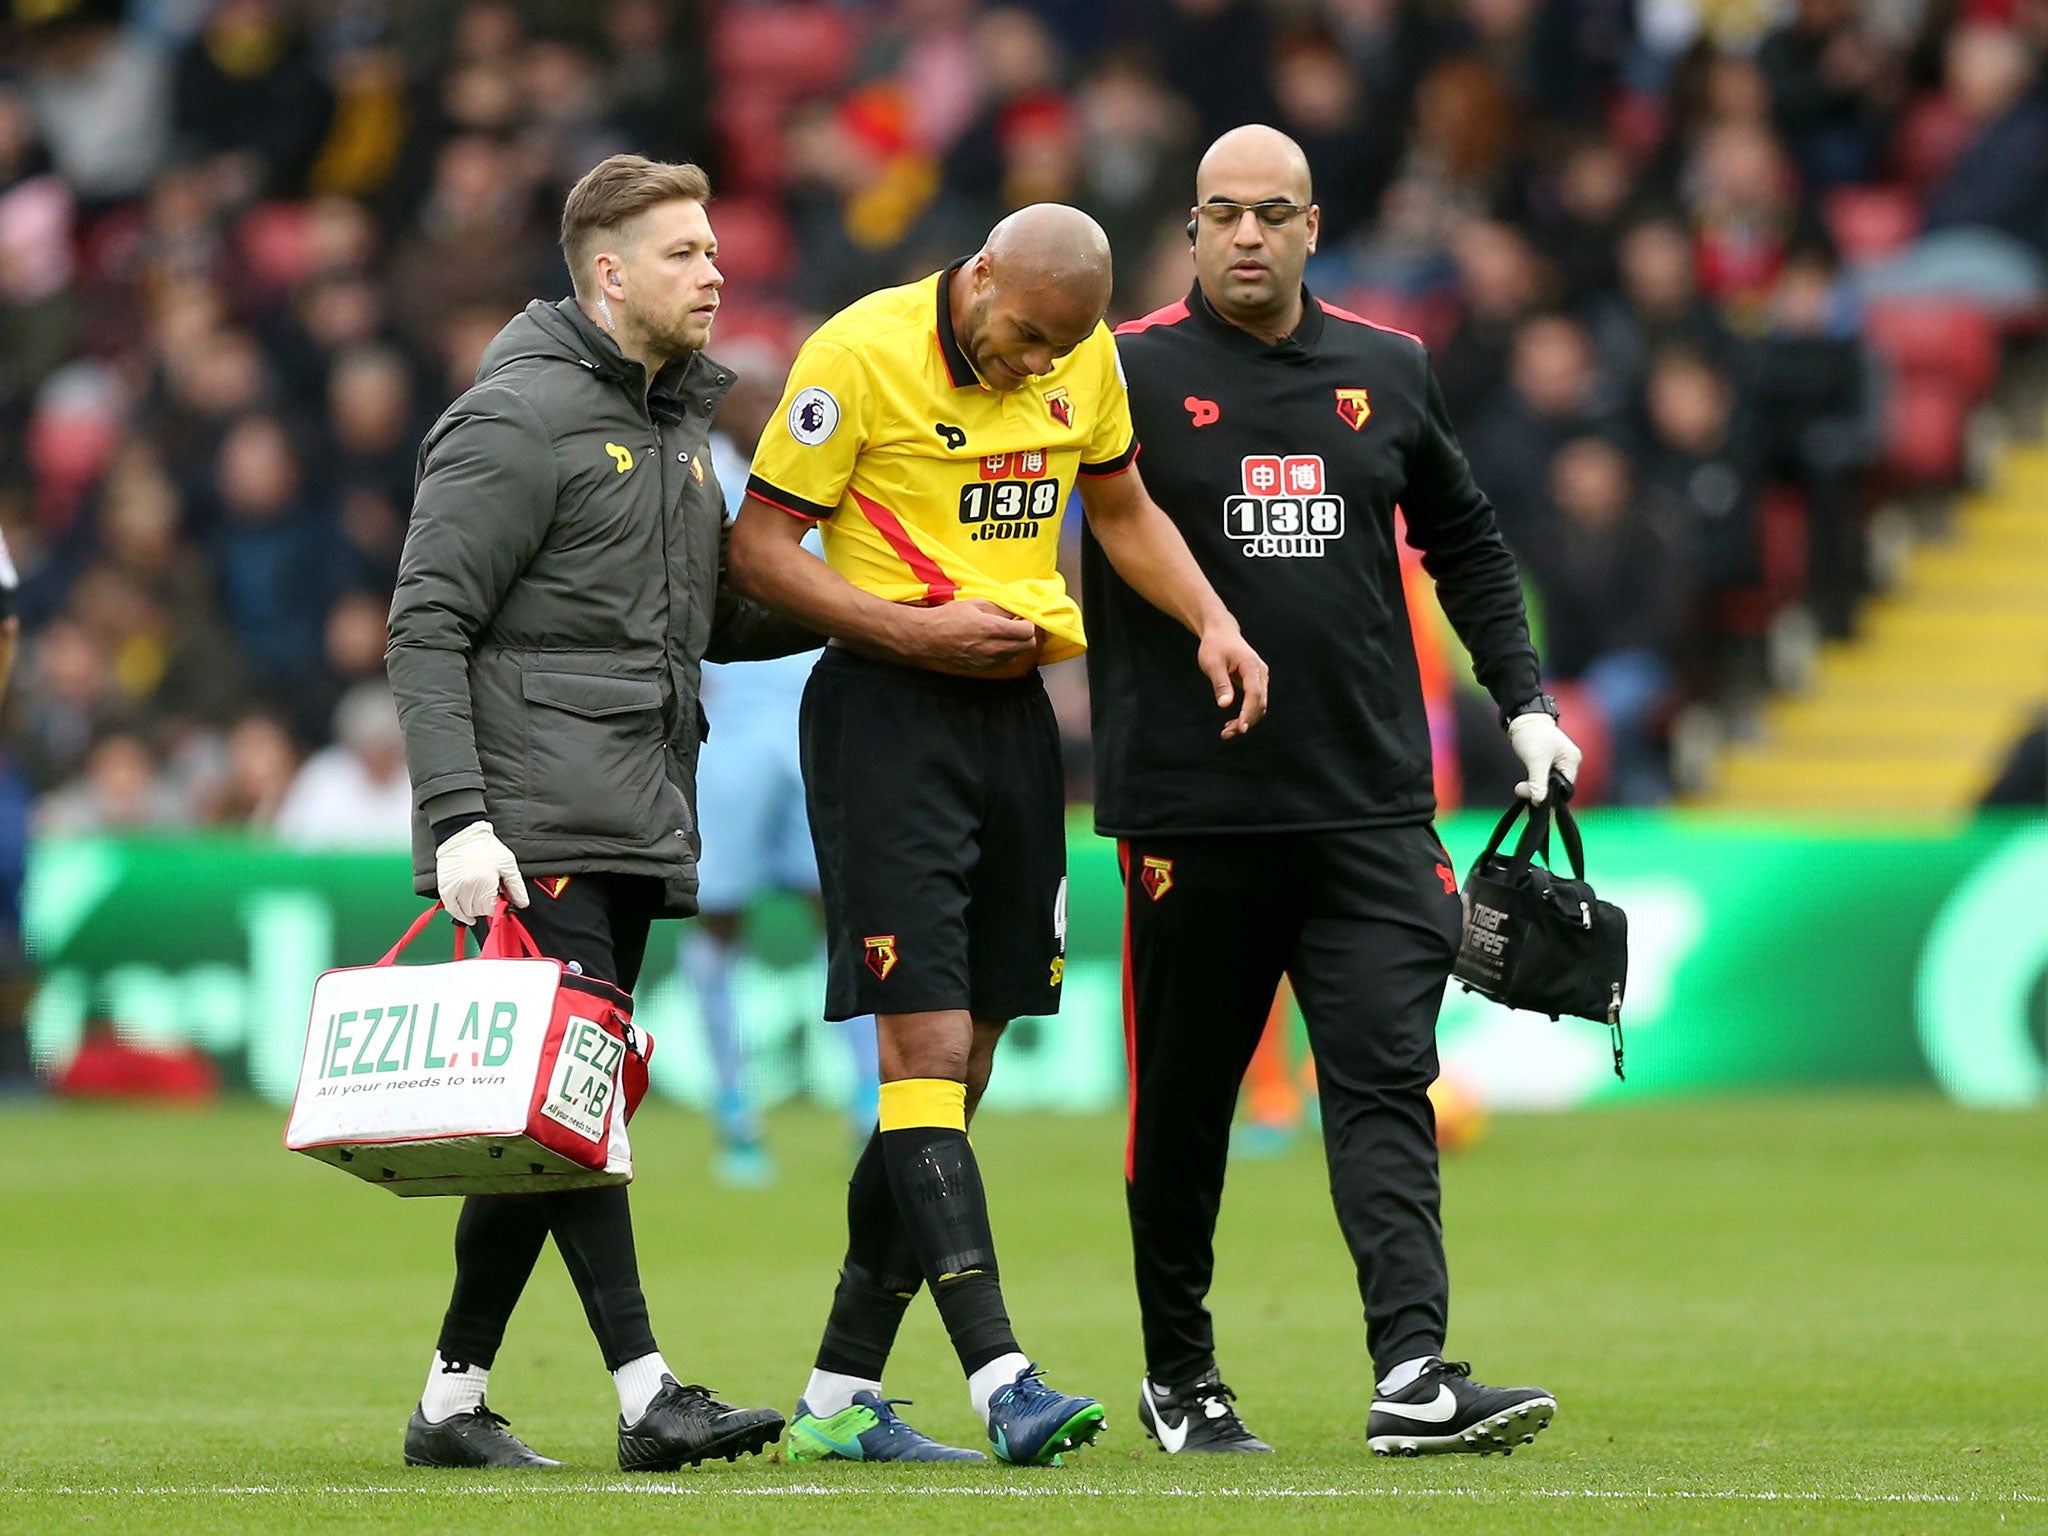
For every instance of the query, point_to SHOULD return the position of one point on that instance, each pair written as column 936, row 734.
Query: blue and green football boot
column 868, row 1431
column 1029, row 1423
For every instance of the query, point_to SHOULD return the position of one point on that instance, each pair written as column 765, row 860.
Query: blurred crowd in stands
column 1705, row 280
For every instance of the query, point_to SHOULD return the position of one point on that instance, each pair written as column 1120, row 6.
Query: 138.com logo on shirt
column 1012, row 497
column 1286, row 511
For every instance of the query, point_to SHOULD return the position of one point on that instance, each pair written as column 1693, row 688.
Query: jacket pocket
column 593, row 698
column 596, row 767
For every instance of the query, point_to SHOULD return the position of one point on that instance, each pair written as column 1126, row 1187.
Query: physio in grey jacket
column 561, row 583
column 562, row 580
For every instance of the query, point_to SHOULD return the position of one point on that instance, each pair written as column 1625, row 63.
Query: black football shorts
column 938, row 810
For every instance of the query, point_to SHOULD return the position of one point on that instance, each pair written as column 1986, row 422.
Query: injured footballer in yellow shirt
column 932, row 487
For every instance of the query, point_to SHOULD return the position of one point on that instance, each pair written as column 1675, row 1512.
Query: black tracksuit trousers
column 1365, row 922
column 600, row 922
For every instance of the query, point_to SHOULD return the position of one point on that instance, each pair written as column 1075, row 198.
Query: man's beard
column 686, row 333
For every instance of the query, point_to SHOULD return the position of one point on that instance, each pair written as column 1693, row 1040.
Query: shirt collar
column 959, row 370
column 1291, row 348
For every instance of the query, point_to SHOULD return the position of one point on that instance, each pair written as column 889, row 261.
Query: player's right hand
column 975, row 637
column 471, row 868
column 1230, row 664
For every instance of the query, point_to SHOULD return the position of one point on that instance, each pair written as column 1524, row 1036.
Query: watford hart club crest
column 881, row 954
column 1353, row 407
column 1157, row 877
column 1061, row 405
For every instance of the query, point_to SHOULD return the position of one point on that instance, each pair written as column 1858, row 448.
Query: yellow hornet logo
column 1157, row 877
column 881, row 954
column 623, row 457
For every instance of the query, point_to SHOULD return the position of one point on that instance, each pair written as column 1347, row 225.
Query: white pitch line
column 821, row 1490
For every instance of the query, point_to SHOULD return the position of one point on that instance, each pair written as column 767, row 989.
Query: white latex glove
column 471, row 867
column 1542, row 746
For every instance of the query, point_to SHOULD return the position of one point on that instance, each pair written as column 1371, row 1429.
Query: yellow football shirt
column 930, row 485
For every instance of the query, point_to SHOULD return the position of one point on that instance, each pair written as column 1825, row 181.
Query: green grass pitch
column 1821, row 1314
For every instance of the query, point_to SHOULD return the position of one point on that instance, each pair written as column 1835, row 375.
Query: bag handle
column 419, row 926
column 1535, row 836
column 1574, row 845
column 1500, row 829
column 507, row 940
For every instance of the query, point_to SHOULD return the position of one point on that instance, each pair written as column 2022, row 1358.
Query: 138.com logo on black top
column 1285, row 511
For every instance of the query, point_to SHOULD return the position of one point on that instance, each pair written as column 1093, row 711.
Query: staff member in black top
column 1280, row 434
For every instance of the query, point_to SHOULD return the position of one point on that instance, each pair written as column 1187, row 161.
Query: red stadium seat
column 754, row 246
column 785, row 50
column 1781, row 539
column 750, row 131
column 1925, row 420
column 766, row 58
column 1872, row 221
column 1781, row 564
column 1938, row 339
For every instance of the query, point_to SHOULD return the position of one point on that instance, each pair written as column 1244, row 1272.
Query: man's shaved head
column 1051, row 245
column 1254, row 227
column 1035, row 291
column 1253, row 164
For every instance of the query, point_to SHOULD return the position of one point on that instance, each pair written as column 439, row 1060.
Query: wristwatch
column 1538, row 704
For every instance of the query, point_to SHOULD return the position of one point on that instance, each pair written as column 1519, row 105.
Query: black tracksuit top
column 1282, row 466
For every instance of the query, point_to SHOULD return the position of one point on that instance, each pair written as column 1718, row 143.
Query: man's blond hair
column 612, row 194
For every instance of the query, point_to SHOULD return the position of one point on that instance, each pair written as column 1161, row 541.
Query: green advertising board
column 1761, row 955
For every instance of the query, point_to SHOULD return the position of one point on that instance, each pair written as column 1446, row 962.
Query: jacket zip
column 668, row 575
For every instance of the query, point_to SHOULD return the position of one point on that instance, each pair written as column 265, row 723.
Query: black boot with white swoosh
column 1194, row 1418
column 1444, row 1410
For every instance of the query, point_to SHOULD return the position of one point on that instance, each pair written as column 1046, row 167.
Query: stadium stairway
column 1914, row 716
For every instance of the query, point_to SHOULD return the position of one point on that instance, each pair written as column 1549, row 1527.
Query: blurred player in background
column 17, row 981
column 750, row 815
column 936, row 430
column 1280, row 433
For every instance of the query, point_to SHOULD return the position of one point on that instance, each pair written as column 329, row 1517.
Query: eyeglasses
column 1272, row 213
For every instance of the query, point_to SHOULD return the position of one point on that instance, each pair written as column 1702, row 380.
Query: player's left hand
column 1232, row 665
column 1543, row 747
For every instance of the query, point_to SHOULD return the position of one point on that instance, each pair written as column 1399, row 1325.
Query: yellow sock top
column 912, row 1102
